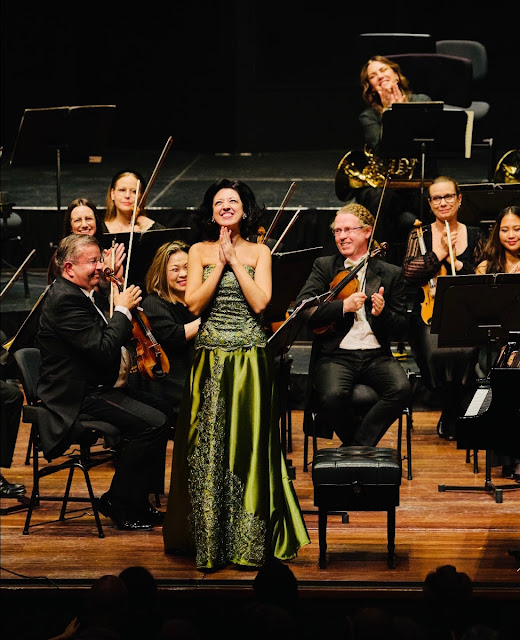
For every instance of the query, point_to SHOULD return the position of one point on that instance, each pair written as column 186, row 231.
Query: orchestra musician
column 355, row 348
column 448, row 372
column 231, row 499
column 172, row 323
column 83, row 218
column 501, row 254
column 81, row 356
column 125, row 187
column 384, row 84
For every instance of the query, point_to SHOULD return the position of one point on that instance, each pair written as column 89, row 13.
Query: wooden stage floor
column 466, row 529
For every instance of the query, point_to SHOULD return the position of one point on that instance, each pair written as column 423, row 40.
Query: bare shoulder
column 204, row 252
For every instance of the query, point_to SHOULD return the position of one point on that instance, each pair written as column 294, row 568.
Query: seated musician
column 501, row 254
column 81, row 354
column 448, row 372
column 356, row 346
column 171, row 322
column 384, row 84
column 83, row 218
column 124, row 188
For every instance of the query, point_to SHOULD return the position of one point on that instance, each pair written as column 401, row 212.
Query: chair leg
column 322, row 537
column 30, row 447
column 32, row 503
column 305, row 452
column 409, row 427
column 92, row 501
column 66, row 494
column 390, row 523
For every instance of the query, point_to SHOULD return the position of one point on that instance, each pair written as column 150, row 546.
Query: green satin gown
column 231, row 499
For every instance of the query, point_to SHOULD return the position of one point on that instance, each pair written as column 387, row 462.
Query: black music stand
column 471, row 311
column 290, row 272
column 417, row 129
column 79, row 132
column 144, row 247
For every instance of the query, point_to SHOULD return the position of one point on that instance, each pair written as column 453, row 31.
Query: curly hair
column 494, row 252
column 368, row 94
column 254, row 213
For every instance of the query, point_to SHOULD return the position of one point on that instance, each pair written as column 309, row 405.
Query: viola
column 152, row 362
column 430, row 288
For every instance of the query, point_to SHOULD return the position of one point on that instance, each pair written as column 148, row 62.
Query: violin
column 345, row 283
column 430, row 288
column 152, row 362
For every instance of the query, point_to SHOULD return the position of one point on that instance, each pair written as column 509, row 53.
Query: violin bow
column 288, row 195
column 142, row 199
column 287, row 228
column 362, row 284
column 131, row 241
column 450, row 248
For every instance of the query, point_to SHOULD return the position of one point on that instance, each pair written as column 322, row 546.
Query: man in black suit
column 355, row 348
column 81, row 353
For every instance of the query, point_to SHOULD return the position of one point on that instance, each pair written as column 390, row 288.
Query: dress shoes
column 122, row 518
column 10, row 489
column 443, row 428
column 152, row 515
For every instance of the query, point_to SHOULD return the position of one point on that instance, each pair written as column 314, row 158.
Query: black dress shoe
column 122, row 520
column 10, row 489
column 153, row 515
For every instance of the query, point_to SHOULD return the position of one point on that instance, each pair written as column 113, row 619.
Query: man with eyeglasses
column 355, row 347
column 81, row 353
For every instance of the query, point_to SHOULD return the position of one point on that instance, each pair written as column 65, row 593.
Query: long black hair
column 254, row 213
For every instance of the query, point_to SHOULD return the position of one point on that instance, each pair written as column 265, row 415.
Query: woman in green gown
column 231, row 499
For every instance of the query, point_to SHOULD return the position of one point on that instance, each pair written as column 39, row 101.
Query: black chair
column 477, row 54
column 363, row 397
column 390, row 43
column 80, row 454
column 442, row 77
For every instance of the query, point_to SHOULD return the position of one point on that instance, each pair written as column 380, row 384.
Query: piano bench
column 356, row 479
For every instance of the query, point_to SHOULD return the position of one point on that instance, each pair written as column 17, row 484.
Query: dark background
column 231, row 76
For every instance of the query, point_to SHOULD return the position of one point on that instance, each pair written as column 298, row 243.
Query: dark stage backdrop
column 232, row 76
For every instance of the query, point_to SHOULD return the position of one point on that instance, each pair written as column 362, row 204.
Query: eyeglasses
column 346, row 230
column 449, row 198
column 92, row 262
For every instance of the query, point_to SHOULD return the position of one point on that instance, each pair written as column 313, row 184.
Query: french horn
column 364, row 169
column 508, row 167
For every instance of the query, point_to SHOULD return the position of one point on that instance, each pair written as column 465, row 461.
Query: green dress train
column 231, row 499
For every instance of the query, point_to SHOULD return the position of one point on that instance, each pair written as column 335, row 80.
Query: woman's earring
column 244, row 216
column 213, row 220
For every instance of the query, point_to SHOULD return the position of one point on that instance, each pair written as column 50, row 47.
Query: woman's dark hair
column 494, row 251
column 203, row 216
column 368, row 94
column 82, row 202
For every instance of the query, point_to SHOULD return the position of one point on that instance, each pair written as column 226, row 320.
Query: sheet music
column 478, row 400
column 469, row 134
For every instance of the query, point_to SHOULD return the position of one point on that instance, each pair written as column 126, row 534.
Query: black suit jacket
column 390, row 324
column 79, row 352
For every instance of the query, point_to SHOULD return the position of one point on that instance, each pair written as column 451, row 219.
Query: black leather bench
column 356, row 479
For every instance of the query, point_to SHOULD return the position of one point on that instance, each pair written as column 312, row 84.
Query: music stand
column 81, row 132
column 471, row 311
column 413, row 129
column 144, row 248
column 290, row 272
